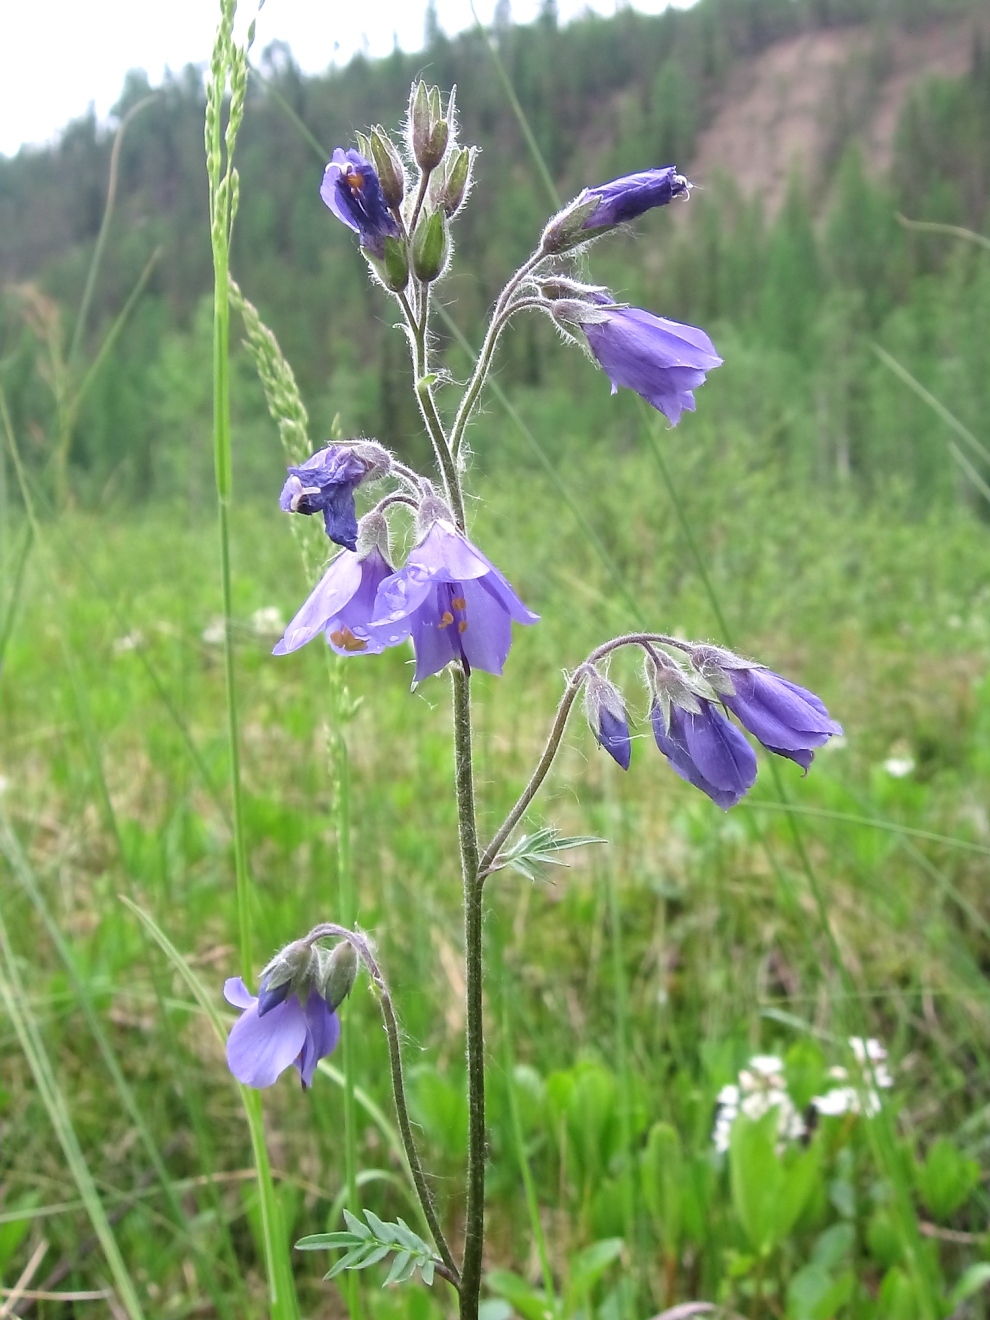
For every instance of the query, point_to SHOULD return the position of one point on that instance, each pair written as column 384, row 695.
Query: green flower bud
column 339, row 972
column 363, row 145
column 453, row 190
column 429, row 247
column 393, row 268
column 388, row 166
column 429, row 131
column 419, row 123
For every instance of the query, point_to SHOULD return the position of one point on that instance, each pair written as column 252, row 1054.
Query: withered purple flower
column 630, row 196
column 353, row 192
column 326, row 483
column 786, row 718
column 263, row 1043
column 452, row 600
column 662, row 360
column 341, row 606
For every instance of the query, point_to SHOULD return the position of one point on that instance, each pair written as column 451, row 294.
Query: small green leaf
column 357, row 1228
column 533, row 850
column 324, row 1241
column 378, row 1252
column 427, row 1269
column 395, row 1274
column 383, row 1232
column 350, row 1261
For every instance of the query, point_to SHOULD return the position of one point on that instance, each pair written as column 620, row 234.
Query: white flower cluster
column 871, row 1057
column 761, row 1087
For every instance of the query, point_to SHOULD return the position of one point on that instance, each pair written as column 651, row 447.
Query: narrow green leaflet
column 532, row 851
column 367, row 1243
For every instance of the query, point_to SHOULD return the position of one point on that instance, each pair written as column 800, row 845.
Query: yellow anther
column 459, row 603
column 345, row 639
column 445, row 618
column 462, row 625
column 354, row 179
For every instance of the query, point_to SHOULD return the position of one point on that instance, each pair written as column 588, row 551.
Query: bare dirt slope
column 796, row 105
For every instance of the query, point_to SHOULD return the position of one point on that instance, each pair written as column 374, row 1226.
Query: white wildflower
column 268, row 622
column 215, row 631
column 130, row 642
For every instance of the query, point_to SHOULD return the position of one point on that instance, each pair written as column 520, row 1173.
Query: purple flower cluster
column 448, row 598
column 691, row 726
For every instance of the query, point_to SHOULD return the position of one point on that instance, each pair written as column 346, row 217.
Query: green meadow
column 825, row 510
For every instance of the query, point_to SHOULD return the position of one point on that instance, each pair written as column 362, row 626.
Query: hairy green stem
column 474, row 1232
column 482, row 367
column 427, row 405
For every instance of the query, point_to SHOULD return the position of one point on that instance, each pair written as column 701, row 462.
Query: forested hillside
column 809, row 125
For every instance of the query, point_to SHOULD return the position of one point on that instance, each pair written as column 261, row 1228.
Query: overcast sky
column 59, row 56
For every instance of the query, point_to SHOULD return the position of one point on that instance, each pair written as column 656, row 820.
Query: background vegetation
column 817, row 511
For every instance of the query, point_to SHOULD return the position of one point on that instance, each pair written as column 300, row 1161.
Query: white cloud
column 58, row 57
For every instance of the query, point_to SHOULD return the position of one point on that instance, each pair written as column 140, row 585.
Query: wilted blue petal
column 631, row 195
column 353, row 192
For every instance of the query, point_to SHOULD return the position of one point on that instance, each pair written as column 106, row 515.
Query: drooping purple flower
column 353, row 192
column 630, row 196
column 786, row 718
column 261, row 1045
column 662, row 360
column 341, row 605
column 453, row 601
column 325, row 484
column 607, row 717
column 706, row 750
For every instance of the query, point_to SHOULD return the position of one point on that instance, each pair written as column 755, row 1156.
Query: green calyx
column 429, row 247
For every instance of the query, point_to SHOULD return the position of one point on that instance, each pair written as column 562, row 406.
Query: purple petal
column 613, row 735
column 328, row 188
column 435, row 647
column 448, row 556
column 322, row 1035
column 236, row 992
column 719, row 750
column 673, row 742
column 781, row 714
column 259, row 1049
column 331, row 594
column 487, row 636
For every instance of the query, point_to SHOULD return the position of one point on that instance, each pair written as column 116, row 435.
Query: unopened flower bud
column 429, row 131
column 607, row 717
column 451, row 193
column 388, row 164
column 291, row 971
column 429, row 246
column 339, row 972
